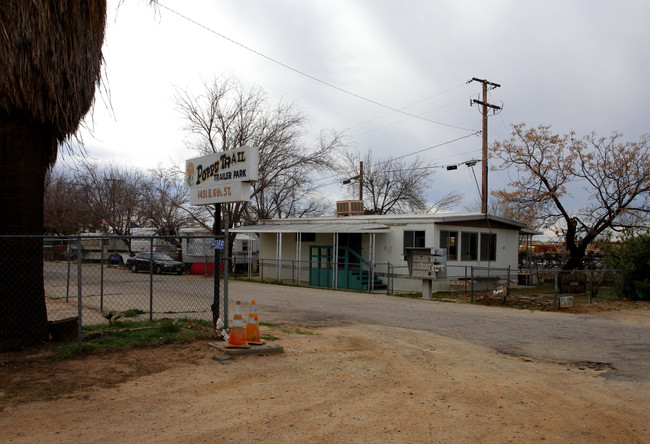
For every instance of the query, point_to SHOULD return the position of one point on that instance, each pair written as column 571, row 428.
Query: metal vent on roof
column 349, row 208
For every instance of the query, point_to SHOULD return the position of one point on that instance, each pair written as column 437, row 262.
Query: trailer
column 197, row 249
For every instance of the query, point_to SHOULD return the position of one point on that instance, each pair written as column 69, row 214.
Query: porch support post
column 278, row 258
column 249, row 254
column 335, row 253
column 277, row 245
column 298, row 253
column 371, row 284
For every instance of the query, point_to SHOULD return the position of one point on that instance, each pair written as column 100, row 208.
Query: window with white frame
column 449, row 240
column 413, row 239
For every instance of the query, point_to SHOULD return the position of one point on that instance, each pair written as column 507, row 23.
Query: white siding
column 389, row 248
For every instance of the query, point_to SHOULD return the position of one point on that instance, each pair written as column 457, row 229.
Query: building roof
column 312, row 228
column 374, row 223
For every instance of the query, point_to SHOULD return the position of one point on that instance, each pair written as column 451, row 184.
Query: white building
column 374, row 250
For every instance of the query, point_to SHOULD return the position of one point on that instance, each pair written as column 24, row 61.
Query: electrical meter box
column 427, row 263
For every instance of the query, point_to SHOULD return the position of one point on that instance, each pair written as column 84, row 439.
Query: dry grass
column 51, row 56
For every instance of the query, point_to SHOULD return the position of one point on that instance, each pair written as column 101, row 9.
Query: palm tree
column 50, row 64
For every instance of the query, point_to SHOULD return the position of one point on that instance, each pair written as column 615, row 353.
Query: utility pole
column 486, row 105
column 360, row 177
column 361, row 181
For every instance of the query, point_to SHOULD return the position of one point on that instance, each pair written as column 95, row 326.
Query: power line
column 407, row 155
column 447, row 166
column 400, row 121
column 412, row 154
column 410, row 105
column 309, row 76
column 433, row 147
column 468, row 163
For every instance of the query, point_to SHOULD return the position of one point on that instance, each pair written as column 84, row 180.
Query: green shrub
column 632, row 257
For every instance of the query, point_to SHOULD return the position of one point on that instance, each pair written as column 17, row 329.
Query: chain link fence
column 545, row 287
column 88, row 279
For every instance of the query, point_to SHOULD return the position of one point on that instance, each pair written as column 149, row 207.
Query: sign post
column 217, row 178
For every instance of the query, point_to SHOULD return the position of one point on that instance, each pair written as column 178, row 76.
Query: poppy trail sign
column 222, row 177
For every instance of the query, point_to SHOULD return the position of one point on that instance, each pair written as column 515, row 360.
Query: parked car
column 161, row 263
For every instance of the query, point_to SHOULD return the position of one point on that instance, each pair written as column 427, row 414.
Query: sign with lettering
column 222, row 177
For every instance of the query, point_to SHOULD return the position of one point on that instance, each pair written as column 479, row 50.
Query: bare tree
column 63, row 209
column 292, row 195
column 613, row 175
column 229, row 116
column 112, row 195
column 164, row 202
column 394, row 185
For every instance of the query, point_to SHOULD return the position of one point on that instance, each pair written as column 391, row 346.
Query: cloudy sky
column 576, row 65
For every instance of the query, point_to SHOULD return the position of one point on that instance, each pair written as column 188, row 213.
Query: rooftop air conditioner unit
column 349, row 208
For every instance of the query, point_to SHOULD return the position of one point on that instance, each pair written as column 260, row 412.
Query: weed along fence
column 553, row 289
column 94, row 279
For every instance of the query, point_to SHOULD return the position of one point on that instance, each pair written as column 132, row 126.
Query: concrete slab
column 267, row 348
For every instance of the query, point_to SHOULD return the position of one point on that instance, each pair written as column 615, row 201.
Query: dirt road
column 356, row 383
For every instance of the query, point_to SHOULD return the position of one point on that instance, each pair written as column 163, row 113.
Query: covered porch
column 332, row 255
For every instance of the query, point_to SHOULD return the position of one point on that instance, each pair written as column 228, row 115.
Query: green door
column 320, row 265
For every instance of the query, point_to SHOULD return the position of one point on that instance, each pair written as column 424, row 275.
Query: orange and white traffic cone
column 237, row 337
column 252, row 327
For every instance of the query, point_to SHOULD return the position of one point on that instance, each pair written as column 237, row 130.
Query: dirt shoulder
column 358, row 383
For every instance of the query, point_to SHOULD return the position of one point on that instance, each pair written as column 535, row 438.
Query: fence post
column 151, row 279
column 262, row 269
column 507, row 285
column 591, row 287
column 101, row 276
column 299, row 266
column 388, row 278
column 67, row 286
column 79, row 302
column 472, row 277
column 226, row 267
column 556, row 289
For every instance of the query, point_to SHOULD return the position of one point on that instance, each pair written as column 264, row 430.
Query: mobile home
column 369, row 250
